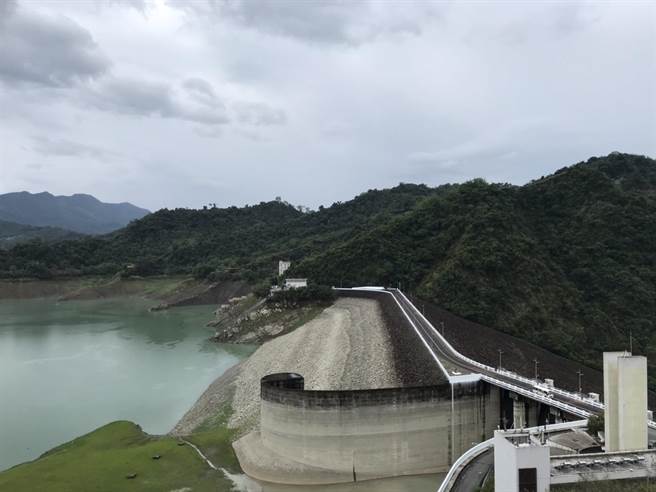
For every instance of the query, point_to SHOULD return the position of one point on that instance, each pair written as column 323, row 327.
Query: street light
column 580, row 373
column 537, row 362
column 500, row 352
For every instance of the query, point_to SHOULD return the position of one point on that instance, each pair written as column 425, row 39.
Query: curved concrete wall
column 337, row 436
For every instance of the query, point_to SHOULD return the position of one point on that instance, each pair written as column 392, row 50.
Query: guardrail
column 510, row 374
column 384, row 291
column 462, row 461
column 543, row 398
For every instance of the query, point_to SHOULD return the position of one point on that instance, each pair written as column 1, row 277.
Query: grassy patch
column 214, row 438
column 101, row 460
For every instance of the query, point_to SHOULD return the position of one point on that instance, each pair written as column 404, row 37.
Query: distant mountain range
column 78, row 213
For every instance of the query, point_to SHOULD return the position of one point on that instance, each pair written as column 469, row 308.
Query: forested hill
column 12, row 234
column 567, row 261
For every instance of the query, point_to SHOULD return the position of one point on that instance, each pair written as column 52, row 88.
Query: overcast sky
column 177, row 104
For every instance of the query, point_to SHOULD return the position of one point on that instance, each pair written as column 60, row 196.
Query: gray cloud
column 46, row 50
column 194, row 100
column 327, row 21
column 68, row 148
column 140, row 97
column 317, row 101
column 259, row 114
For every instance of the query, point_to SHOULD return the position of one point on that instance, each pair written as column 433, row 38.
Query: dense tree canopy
column 567, row 261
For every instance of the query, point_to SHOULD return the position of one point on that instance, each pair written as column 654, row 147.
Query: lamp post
column 537, row 362
column 580, row 374
column 500, row 352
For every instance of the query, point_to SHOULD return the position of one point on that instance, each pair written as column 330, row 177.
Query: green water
column 69, row 367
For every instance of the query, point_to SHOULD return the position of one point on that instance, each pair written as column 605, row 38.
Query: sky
column 168, row 103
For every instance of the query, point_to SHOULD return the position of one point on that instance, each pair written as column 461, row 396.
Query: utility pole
column 500, row 352
column 580, row 373
column 537, row 362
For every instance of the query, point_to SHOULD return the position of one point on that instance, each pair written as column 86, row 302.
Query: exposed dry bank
column 346, row 347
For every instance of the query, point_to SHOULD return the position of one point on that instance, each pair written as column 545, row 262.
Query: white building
column 520, row 463
column 625, row 398
column 295, row 283
column 283, row 266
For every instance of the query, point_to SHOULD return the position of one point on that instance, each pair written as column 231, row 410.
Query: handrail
column 378, row 290
column 463, row 459
column 510, row 374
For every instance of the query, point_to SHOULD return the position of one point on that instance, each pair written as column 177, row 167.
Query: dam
column 321, row 437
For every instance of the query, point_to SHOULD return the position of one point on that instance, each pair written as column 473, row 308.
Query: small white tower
column 283, row 266
column 625, row 399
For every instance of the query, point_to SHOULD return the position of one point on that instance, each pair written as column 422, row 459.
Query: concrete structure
column 625, row 395
column 283, row 266
column 313, row 437
column 295, row 283
column 603, row 466
column 517, row 450
column 521, row 464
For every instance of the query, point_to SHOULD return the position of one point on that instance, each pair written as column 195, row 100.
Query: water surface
column 69, row 367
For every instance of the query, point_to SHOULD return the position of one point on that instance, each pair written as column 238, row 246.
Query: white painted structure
column 520, row 463
column 295, row 283
column 625, row 394
column 283, row 266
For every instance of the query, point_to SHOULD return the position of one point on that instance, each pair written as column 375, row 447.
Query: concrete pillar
column 632, row 402
column 519, row 414
column 611, row 425
column 625, row 399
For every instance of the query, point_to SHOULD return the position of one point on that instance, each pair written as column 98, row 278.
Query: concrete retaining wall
column 309, row 437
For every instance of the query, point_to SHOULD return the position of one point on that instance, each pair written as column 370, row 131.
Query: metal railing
column 508, row 374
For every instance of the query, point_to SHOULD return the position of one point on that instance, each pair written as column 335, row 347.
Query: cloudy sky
column 171, row 103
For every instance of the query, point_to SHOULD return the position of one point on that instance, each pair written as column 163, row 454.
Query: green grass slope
column 101, row 460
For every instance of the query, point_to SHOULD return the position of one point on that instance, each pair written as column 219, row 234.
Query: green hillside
column 12, row 234
column 567, row 261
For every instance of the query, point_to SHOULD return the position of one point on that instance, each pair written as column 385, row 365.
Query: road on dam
column 458, row 367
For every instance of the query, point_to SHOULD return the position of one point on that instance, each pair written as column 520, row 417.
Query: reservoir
column 69, row 367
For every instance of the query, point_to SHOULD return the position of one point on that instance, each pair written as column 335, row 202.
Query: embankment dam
column 423, row 426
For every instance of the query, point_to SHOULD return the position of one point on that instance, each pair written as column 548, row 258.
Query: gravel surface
column 345, row 347
column 216, row 396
